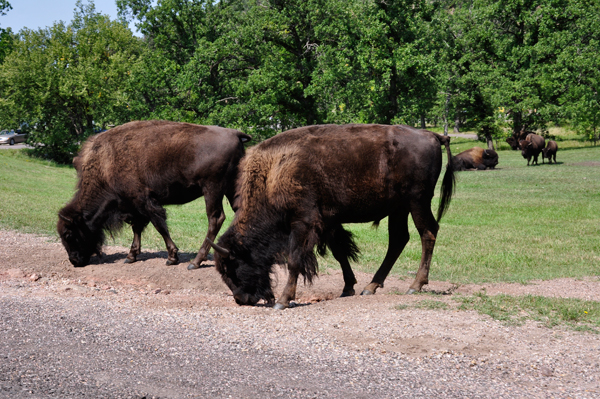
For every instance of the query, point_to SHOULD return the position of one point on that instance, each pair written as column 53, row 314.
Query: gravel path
column 100, row 332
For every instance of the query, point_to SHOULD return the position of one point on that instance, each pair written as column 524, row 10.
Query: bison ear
column 66, row 219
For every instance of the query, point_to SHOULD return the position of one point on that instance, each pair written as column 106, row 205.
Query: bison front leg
column 398, row 237
column 301, row 260
column 138, row 227
column 428, row 228
column 216, row 217
column 289, row 291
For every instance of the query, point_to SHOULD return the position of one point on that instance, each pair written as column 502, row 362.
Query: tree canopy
column 498, row 67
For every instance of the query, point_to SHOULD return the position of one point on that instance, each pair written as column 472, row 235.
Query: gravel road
column 151, row 331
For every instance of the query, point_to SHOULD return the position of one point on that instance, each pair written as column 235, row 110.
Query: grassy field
column 516, row 223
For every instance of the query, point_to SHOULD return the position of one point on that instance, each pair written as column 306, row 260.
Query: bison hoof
column 347, row 293
column 411, row 291
column 192, row 266
column 172, row 262
column 366, row 292
column 279, row 306
column 127, row 260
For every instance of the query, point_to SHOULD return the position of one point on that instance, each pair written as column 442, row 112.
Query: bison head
column 79, row 241
column 514, row 143
column 545, row 152
column 526, row 148
column 248, row 279
column 490, row 158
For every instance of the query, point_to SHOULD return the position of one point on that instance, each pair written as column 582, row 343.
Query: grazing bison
column 514, row 140
column 531, row 147
column 128, row 173
column 550, row 151
column 295, row 190
column 475, row 158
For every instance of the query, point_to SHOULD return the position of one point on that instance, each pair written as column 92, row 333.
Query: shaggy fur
column 475, row 158
column 531, row 147
column 127, row 174
column 550, row 151
column 295, row 191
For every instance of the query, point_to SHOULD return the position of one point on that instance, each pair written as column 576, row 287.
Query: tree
column 65, row 81
column 577, row 67
column 5, row 34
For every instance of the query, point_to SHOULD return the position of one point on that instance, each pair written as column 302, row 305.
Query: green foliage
column 264, row 66
column 5, row 34
column 66, row 81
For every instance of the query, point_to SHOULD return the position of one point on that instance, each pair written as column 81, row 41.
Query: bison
column 531, row 147
column 475, row 158
column 128, row 173
column 296, row 189
column 550, row 151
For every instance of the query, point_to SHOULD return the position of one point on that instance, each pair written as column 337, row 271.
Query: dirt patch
column 557, row 361
column 42, row 260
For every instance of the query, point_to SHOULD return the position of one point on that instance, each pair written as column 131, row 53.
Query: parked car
column 12, row 137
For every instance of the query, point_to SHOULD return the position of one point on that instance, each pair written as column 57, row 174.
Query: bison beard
column 295, row 190
column 127, row 174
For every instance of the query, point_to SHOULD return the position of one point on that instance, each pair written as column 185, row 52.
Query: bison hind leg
column 397, row 240
column 138, row 226
column 342, row 246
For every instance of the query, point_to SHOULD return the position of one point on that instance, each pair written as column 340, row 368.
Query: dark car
column 12, row 137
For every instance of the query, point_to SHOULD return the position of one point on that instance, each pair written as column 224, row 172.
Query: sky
column 34, row 14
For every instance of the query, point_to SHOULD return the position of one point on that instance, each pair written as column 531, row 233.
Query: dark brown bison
column 531, row 147
column 515, row 139
column 295, row 191
column 128, row 173
column 550, row 151
column 475, row 158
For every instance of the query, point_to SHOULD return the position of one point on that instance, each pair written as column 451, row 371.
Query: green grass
column 431, row 304
column 513, row 224
column 515, row 310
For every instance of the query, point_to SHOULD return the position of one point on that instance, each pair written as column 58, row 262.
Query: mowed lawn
column 515, row 223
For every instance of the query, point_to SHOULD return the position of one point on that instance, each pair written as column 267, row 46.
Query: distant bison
column 475, row 158
column 297, row 189
column 550, row 151
column 514, row 140
column 531, row 147
column 128, row 173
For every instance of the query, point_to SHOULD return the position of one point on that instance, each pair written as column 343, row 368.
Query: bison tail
column 449, row 181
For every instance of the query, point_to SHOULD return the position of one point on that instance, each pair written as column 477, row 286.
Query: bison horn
column 220, row 250
column 66, row 219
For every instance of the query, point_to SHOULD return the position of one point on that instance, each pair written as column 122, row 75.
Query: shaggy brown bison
column 550, row 151
column 531, row 147
column 475, row 158
column 128, row 173
column 296, row 189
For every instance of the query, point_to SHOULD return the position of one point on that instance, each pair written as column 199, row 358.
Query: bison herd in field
column 291, row 194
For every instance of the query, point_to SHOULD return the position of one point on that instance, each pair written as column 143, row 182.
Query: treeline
column 497, row 67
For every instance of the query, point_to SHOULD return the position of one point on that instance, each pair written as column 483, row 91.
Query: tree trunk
column 517, row 124
column 457, row 121
column 423, row 121
column 446, row 114
column 490, row 142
